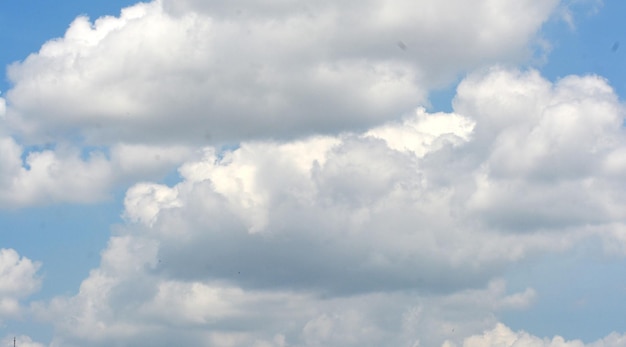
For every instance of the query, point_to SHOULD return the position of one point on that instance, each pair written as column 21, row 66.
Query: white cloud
column 196, row 72
column 51, row 176
column 127, row 300
column 3, row 107
column 266, row 201
column 551, row 149
column 142, row 86
column 315, row 240
column 64, row 174
column 502, row 336
column 18, row 279
column 333, row 223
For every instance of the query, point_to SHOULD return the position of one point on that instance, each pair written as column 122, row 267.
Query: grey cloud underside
column 305, row 263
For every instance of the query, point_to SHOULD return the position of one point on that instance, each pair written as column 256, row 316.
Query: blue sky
column 284, row 174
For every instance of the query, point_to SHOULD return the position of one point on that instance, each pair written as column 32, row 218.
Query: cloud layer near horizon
column 502, row 336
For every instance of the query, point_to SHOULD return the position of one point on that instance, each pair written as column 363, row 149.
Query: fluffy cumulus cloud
column 65, row 173
column 206, row 72
column 18, row 279
column 141, row 87
column 555, row 148
column 396, row 235
column 325, row 206
column 45, row 176
column 502, row 336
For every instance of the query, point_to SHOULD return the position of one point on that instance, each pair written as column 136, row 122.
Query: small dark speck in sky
column 615, row 46
column 402, row 45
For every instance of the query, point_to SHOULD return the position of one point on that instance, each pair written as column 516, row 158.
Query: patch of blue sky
column 596, row 44
column 172, row 178
column 66, row 238
column 36, row 330
column 580, row 294
column 440, row 100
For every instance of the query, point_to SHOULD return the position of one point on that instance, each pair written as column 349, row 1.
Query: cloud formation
column 340, row 212
column 165, row 75
column 18, row 279
column 50, row 175
column 203, row 72
column 502, row 336
column 414, row 219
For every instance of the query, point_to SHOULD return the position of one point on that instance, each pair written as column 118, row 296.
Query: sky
column 291, row 173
